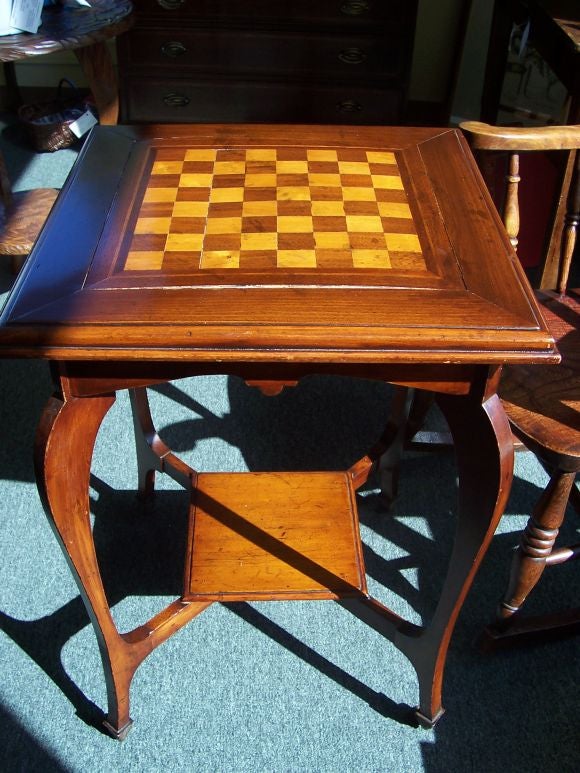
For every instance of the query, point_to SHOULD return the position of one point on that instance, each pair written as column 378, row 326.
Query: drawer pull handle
column 173, row 99
column 171, row 5
column 352, row 56
column 173, row 49
column 354, row 7
column 348, row 106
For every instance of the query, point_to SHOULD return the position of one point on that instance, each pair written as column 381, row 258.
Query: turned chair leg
column 537, row 543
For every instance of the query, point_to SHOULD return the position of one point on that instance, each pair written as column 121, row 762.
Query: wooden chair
column 542, row 403
column 22, row 215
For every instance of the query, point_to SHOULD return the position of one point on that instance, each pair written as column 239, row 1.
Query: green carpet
column 278, row 686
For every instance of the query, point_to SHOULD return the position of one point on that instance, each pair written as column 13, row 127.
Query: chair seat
column 543, row 403
column 20, row 223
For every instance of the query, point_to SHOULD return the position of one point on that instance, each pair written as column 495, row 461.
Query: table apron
column 85, row 379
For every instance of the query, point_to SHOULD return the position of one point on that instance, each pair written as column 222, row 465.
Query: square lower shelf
column 267, row 536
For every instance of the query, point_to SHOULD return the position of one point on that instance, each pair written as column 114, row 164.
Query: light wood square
column 201, row 154
column 260, row 180
column 364, row 223
column 394, row 209
column 229, row 167
column 381, row 157
column 156, row 195
column 300, row 224
column 143, row 261
column 296, row 259
column 260, row 154
column 195, row 180
column 403, row 242
column 259, row 208
column 371, row 259
column 226, row 194
column 388, row 181
column 220, row 259
column 292, row 167
column 353, row 167
column 167, row 167
column 358, row 194
column 190, row 208
column 294, row 193
column 329, row 180
column 183, row 242
column 152, row 225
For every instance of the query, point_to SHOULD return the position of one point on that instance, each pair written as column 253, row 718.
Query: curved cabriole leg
column 484, row 451
column 152, row 453
column 537, row 542
column 393, row 441
column 148, row 462
column 63, row 453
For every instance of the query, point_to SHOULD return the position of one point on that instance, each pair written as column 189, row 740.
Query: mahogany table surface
column 275, row 244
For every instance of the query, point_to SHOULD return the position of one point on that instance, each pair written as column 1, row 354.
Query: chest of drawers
column 333, row 61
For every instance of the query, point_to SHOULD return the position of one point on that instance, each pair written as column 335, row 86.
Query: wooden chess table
column 272, row 253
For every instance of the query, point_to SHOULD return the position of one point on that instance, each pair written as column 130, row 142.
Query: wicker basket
column 48, row 123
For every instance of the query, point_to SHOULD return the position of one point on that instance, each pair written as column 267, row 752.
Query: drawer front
column 151, row 100
column 258, row 12
column 250, row 52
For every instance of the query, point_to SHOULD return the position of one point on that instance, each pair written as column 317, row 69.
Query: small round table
column 85, row 30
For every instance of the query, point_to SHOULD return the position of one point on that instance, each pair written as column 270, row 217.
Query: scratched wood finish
column 273, row 536
column 378, row 288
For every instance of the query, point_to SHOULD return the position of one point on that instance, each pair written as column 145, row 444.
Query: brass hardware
column 354, row 7
column 348, row 106
column 173, row 49
column 352, row 55
column 171, row 5
column 173, row 99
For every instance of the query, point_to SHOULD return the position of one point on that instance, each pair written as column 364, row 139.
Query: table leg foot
column 119, row 734
column 428, row 722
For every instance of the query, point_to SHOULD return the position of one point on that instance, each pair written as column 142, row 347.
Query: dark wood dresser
column 329, row 61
